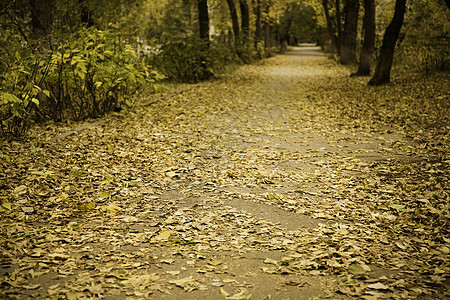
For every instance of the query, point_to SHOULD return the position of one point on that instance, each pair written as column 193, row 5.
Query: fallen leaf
column 270, row 261
column 224, row 293
column 215, row 262
column 31, row 286
column 377, row 286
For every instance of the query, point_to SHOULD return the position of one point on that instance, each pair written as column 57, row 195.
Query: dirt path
column 246, row 187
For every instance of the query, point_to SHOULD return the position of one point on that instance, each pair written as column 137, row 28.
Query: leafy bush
column 191, row 59
column 21, row 86
column 91, row 74
column 435, row 59
column 88, row 75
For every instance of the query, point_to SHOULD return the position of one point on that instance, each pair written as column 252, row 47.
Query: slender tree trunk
column 258, row 31
column 365, row 59
column 86, row 14
column 267, row 39
column 245, row 20
column 348, row 50
column 383, row 70
column 203, row 19
column 235, row 22
column 330, row 27
column 338, row 27
column 41, row 17
column 267, row 30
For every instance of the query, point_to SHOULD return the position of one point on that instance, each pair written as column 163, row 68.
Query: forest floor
column 285, row 179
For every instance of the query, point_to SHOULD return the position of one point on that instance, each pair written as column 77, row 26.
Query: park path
column 249, row 186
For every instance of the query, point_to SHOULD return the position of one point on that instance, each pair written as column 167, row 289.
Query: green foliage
column 88, row 75
column 191, row 59
column 91, row 74
column 21, row 86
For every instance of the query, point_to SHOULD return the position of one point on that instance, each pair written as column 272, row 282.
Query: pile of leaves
column 182, row 196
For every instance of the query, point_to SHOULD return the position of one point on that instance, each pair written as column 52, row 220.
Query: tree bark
column 365, row 58
column 338, row 27
column 41, row 17
column 267, row 39
column 203, row 20
column 235, row 22
column 348, row 49
column 267, row 31
column 258, row 31
column 245, row 20
column 86, row 14
column 383, row 69
column 330, row 27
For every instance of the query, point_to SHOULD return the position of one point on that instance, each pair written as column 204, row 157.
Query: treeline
column 76, row 59
column 416, row 31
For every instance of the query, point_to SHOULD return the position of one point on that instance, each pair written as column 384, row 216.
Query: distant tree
column 41, row 17
column 334, row 23
column 365, row 58
column 203, row 19
column 86, row 14
column 245, row 20
column 348, row 48
column 258, row 22
column 235, row 21
column 383, row 69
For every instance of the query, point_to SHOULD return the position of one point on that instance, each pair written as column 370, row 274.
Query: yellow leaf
column 71, row 296
column 113, row 209
column 215, row 262
column 224, row 293
column 163, row 235
column 104, row 194
column 167, row 261
column 87, row 206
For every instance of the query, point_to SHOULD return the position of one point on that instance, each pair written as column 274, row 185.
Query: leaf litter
column 151, row 204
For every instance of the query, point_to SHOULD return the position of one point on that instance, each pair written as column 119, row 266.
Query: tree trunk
column 235, row 22
column 203, row 20
column 267, row 39
column 86, row 14
column 338, row 27
column 41, row 17
column 245, row 20
column 267, row 31
column 365, row 59
column 348, row 49
column 258, row 31
column 383, row 70
column 330, row 27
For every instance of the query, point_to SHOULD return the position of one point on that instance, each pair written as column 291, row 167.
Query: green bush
column 191, row 59
column 88, row 75
column 435, row 58
column 91, row 74
column 21, row 86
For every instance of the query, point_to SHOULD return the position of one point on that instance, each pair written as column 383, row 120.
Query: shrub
column 88, row 75
column 91, row 74
column 21, row 86
column 192, row 60
column 435, row 58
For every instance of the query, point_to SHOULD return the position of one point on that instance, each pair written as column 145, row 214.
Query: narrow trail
column 249, row 186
